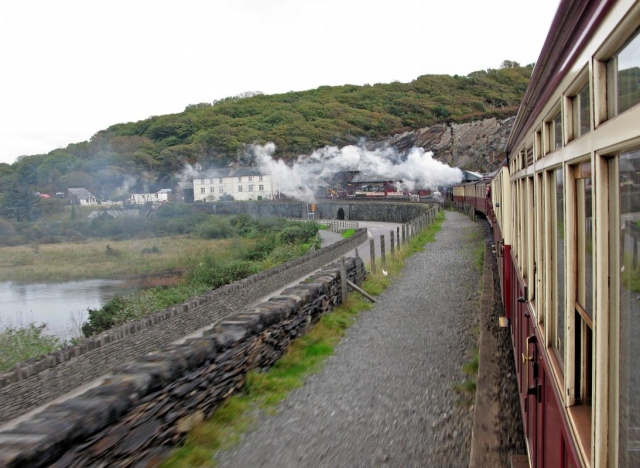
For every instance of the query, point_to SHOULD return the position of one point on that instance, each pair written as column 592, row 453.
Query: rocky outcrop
column 475, row 146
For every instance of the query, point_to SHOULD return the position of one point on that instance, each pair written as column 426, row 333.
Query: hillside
column 147, row 155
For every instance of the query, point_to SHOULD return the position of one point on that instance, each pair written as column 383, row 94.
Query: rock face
column 475, row 146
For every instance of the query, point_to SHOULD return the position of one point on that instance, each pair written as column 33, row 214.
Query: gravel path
column 386, row 397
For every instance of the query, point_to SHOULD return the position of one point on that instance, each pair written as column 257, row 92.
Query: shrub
column 21, row 343
column 216, row 227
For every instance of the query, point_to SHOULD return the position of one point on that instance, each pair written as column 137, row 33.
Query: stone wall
column 356, row 210
column 363, row 210
column 38, row 381
column 149, row 404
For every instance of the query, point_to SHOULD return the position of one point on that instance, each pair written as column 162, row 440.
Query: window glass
column 220, row 189
column 559, row 263
column 628, row 75
column 584, row 189
column 557, row 131
column 582, row 112
column 629, row 403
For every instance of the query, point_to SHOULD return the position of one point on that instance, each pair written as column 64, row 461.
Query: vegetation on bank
column 219, row 250
column 258, row 244
column 264, row 390
column 146, row 155
column 17, row 344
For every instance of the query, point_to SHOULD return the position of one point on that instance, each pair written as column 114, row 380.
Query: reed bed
column 92, row 259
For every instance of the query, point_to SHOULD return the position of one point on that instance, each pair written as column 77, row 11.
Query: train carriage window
column 581, row 112
column 623, row 77
column 553, row 132
column 540, row 249
column 628, row 265
column 557, row 262
column 580, row 241
column 556, row 132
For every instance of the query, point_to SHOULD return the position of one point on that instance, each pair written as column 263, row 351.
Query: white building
column 81, row 196
column 245, row 183
column 161, row 196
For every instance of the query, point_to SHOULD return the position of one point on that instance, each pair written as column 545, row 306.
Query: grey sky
column 73, row 67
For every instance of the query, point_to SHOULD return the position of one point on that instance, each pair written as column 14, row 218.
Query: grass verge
column 348, row 233
column 264, row 390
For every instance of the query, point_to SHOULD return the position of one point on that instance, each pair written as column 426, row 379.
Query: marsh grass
column 88, row 260
column 264, row 390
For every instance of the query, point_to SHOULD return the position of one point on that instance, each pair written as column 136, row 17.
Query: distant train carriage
column 565, row 211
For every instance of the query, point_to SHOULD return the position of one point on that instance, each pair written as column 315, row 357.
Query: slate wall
column 149, row 404
column 38, row 381
column 356, row 210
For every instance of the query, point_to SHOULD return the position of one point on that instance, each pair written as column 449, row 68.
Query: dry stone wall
column 149, row 404
column 34, row 383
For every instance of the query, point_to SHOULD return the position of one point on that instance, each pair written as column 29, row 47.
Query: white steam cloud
column 125, row 188
column 410, row 171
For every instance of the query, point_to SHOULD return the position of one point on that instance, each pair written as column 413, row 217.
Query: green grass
column 630, row 276
column 305, row 355
column 348, row 233
column 467, row 388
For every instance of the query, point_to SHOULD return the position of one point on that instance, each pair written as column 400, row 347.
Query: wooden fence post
column 372, row 254
column 343, row 279
column 391, row 243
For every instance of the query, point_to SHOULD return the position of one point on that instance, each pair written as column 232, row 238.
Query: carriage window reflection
column 629, row 203
column 582, row 112
column 556, row 132
column 625, row 69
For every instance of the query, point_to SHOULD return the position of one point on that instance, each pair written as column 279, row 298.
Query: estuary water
column 61, row 306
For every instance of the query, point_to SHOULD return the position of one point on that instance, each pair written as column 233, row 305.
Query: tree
column 20, row 204
column 509, row 64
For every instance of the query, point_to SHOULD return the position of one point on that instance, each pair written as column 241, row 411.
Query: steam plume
column 413, row 170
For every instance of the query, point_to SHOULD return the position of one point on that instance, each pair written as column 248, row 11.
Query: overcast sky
column 70, row 68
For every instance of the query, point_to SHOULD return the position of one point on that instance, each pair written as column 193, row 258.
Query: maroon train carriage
column 565, row 212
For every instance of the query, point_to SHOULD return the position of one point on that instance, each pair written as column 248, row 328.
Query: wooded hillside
column 145, row 155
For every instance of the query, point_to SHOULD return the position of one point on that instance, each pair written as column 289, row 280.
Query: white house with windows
column 245, row 183
column 81, row 196
column 161, row 196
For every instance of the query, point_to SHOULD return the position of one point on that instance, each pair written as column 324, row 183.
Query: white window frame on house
column 250, row 188
column 261, row 188
column 202, row 190
column 239, row 188
column 221, row 189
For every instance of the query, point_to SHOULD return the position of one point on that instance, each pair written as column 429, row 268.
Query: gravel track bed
column 387, row 396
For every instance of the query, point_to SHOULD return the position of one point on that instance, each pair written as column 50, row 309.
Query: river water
column 62, row 306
